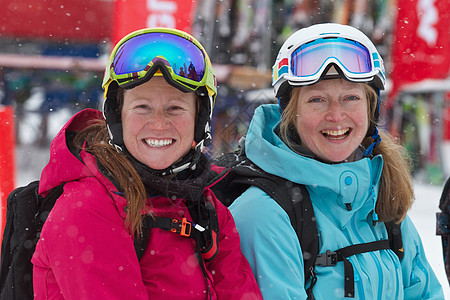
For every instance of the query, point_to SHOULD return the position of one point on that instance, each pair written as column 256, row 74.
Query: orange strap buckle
column 183, row 227
column 186, row 227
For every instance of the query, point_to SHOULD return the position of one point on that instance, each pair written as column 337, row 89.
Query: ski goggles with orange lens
column 309, row 61
column 178, row 55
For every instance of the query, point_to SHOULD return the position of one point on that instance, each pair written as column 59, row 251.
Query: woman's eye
column 175, row 108
column 142, row 106
column 353, row 97
column 317, row 99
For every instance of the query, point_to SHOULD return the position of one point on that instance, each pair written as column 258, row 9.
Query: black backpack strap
column 181, row 227
column 203, row 213
column 395, row 238
column 443, row 217
column 344, row 253
column 331, row 258
column 184, row 228
column 294, row 198
column 295, row 201
column 444, row 202
column 140, row 241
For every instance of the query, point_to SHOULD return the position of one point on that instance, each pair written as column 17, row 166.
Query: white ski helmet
column 308, row 54
column 329, row 51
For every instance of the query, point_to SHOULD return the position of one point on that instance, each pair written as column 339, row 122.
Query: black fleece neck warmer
column 188, row 184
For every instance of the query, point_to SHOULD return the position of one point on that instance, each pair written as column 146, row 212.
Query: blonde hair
column 396, row 193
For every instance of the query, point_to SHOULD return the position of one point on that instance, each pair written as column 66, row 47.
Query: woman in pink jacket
column 137, row 219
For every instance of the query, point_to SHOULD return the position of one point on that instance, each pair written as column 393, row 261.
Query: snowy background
column 30, row 160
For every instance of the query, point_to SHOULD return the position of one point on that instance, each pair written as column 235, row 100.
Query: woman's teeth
column 158, row 143
column 336, row 134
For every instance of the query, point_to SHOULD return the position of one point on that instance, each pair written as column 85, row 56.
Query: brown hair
column 396, row 193
column 95, row 138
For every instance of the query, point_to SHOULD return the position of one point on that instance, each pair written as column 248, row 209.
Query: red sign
column 421, row 42
column 7, row 159
column 85, row 20
column 131, row 15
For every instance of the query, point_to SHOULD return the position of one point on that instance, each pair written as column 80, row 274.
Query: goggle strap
column 377, row 112
column 184, row 87
column 211, row 93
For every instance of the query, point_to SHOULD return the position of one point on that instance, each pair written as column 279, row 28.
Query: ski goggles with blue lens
column 160, row 51
column 306, row 64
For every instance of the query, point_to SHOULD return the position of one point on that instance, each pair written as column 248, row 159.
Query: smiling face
column 332, row 118
column 158, row 123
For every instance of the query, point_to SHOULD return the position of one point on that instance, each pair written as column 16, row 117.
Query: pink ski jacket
column 85, row 251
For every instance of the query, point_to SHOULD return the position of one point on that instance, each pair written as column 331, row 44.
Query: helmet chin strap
column 375, row 135
column 376, row 140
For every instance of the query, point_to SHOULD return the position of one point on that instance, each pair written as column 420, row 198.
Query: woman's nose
column 158, row 121
column 335, row 112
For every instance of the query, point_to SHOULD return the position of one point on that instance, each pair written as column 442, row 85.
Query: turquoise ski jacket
column 270, row 243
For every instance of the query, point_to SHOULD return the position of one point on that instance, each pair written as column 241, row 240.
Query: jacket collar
column 63, row 166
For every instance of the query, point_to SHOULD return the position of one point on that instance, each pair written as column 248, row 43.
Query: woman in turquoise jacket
column 324, row 135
